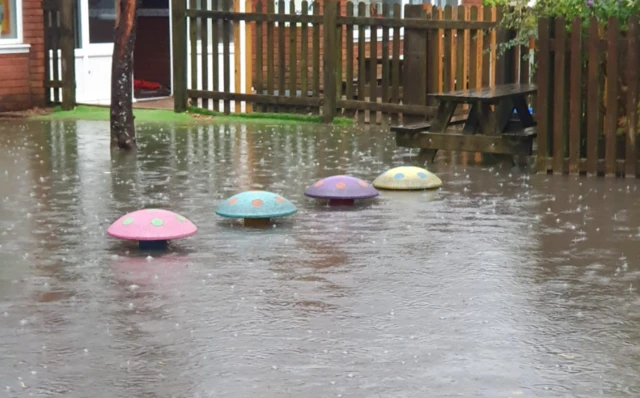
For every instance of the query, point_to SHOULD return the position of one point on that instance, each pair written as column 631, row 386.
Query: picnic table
column 489, row 126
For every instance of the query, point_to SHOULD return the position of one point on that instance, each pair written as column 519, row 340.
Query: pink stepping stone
column 152, row 228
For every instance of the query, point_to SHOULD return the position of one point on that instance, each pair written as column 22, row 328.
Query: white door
column 96, row 20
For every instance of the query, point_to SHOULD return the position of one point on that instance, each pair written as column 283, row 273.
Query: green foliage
column 523, row 19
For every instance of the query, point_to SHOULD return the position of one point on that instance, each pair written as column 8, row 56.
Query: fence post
column 415, row 64
column 543, row 107
column 67, row 48
column 329, row 60
column 179, row 44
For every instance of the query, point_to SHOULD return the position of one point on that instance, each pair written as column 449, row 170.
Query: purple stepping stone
column 341, row 188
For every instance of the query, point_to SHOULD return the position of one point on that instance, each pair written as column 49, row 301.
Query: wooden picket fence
column 59, row 59
column 380, row 66
column 588, row 86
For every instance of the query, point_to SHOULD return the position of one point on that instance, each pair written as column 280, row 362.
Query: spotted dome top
column 407, row 178
column 341, row 187
column 256, row 204
column 152, row 225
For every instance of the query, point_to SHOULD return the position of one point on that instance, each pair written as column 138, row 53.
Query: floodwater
column 499, row 284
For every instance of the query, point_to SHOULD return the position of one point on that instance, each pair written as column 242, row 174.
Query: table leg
column 443, row 116
column 471, row 125
column 439, row 125
column 427, row 155
column 487, row 122
column 526, row 119
column 503, row 112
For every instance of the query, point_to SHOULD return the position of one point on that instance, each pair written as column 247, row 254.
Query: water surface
column 499, row 284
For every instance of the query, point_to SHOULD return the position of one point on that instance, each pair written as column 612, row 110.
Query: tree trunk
column 122, row 126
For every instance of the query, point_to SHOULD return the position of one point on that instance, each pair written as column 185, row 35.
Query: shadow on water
column 499, row 284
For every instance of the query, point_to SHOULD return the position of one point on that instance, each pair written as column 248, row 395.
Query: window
column 10, row 21
column 102, row 20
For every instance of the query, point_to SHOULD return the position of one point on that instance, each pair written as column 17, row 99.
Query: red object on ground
column 145, row 85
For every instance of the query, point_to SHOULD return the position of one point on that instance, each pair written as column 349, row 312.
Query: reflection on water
column 500, row 284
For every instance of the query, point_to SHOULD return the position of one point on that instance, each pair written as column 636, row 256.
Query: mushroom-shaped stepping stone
column 407, row 178
column 256, row 207
column 152, row 228
column 341, row 190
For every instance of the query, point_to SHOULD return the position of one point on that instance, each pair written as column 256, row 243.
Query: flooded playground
column 499, row 284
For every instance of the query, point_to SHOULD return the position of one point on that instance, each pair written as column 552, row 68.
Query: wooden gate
column 59, row 46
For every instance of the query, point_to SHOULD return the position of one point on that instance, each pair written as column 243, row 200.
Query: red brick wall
column 22, row 75
column 152, row 57
column 287, row 46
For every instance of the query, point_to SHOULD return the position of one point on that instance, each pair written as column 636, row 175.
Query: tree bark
column 122, row 126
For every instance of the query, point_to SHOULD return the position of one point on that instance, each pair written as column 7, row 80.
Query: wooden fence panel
column 597, row 133
column 366, row 58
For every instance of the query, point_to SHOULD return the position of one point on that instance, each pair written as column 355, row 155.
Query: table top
column 487, row 93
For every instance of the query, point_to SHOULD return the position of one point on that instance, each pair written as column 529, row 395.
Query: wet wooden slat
column 475, row 42
column 559, row 94
column 395, row 62
column 193, row 48
column 237, row 49
column 461, row 53
column 282, row 61
column 330, row 40
column 349, row 50
column 633, row 85
column 593, row 97
column 373, row 68
column 316, row 52
column 611, row 117
column 304, row 51
column 250, row 33
column 486, row 48
column 293, row 55
column 338, row 55
column 226, row 53
column 432, row 59
column 438, row 14
column 215, row 63
column 542, row 106
column 259, row 72
column 385, row 56
column 204, row 37
column 270, row 55
column 361, row 60
column 447, row 51
column 575, row 107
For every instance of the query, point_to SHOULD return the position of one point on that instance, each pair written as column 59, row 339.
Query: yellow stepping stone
column 407, row 178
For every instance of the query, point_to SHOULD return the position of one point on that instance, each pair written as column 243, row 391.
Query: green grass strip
column 88, row 112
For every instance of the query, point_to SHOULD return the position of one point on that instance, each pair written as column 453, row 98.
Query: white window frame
column 16, row 45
